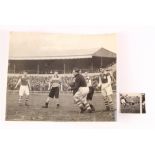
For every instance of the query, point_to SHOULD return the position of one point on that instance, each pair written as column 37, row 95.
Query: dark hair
column 76, row 69
column 100, row 68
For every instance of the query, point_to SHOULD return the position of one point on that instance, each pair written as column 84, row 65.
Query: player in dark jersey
column 80, row 91
column 24, row 88
column 54, row 87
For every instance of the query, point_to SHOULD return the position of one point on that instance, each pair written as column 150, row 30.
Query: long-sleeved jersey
column 79, row 82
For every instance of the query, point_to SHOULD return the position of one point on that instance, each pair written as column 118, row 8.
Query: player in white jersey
column 105, row 82
column 24, row 88
column 54, row 87
column 91, row 91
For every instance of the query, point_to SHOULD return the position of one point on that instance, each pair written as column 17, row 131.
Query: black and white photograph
column 77, row 77
column 61, row 77
column 132, row 103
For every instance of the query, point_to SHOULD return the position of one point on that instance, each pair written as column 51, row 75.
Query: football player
column 24, row 88
column 91, row 91
column 123, row 100
column 106, row 88
column 80, row 91
column 54, row 87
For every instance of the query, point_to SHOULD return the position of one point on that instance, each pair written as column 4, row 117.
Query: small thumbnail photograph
column 132, row 103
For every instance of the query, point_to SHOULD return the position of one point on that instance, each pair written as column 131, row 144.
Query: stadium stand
column 40, row 82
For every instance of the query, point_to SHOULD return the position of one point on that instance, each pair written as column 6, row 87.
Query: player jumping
column 24, row 88
column 54, row 87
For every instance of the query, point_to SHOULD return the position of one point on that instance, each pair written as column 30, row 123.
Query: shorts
column 24, row 90
column 81, row 95
column 90, row 94
column 106, row 90
column 54, row 92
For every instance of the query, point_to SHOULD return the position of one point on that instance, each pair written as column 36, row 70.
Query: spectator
column 40, row 83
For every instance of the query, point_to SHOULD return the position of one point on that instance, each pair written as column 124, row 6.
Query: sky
column 22, row 43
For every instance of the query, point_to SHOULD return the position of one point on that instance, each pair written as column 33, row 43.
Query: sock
column 20, row 100
column 26, row 100
column 111, row 105
column 80, row 104
column 87, row 106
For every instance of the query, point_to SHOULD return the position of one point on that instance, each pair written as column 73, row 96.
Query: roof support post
column 38, row 69
column 92, row 65
column 64, row 68
column 14, row 68
column 101, row 62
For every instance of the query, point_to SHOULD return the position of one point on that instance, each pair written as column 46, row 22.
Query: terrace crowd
column 40, row 83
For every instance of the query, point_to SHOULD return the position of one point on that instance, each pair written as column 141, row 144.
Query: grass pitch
column 135, row 108
column 68, row 111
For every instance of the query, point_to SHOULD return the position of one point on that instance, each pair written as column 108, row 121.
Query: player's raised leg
column 77, row 100
column 84, row 93
column 80, row 91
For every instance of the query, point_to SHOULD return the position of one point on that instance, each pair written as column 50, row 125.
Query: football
column 71, row 84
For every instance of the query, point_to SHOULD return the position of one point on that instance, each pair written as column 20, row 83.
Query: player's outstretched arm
column 60, row 83
column 100, row 82
column 49, row 85
column 19, row 81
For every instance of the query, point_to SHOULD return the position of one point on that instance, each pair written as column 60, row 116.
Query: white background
column 134, row 23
